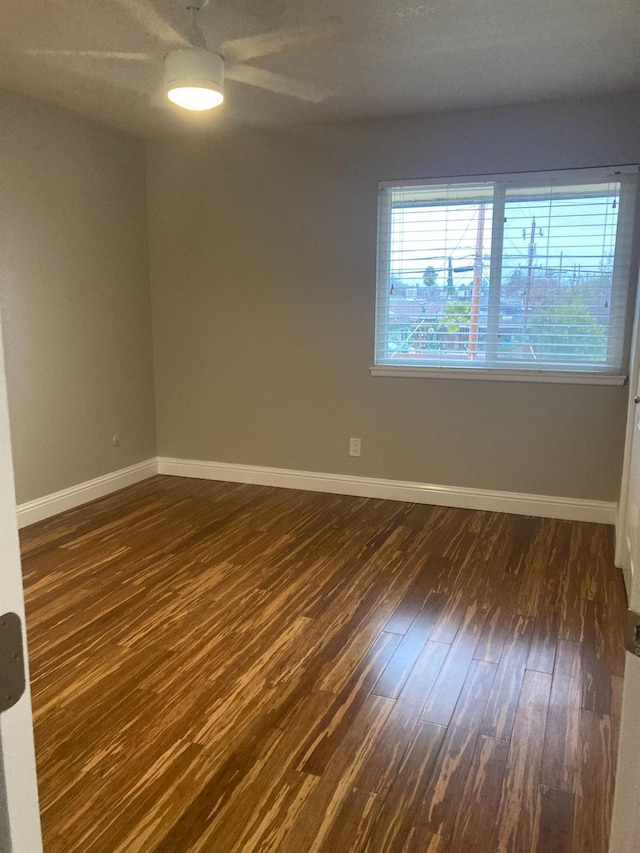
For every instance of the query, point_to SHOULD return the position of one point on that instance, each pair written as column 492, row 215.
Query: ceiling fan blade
column 275, row 83
column 146, row 15
column 92, row 72
column 91, row 54
column 279, row 41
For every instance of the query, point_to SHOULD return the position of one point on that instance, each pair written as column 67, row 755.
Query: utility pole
column 531, row 253
column 477, row 282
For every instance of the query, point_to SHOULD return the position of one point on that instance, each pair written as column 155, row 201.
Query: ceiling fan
column 194, row 74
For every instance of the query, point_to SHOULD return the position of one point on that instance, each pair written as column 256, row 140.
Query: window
column 517, row 276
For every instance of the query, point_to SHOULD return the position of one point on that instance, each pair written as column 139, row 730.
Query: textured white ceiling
column 373, row 57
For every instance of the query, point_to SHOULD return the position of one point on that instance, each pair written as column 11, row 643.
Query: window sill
column 497, row 375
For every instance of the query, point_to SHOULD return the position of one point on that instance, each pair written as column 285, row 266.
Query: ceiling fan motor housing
column 194, row 67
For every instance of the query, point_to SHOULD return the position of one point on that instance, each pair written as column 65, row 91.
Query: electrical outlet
column 354, row 447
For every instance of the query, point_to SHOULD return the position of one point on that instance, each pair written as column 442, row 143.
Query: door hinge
column 632, row 637
column 11, row 661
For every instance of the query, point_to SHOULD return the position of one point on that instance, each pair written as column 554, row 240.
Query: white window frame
column 622, row 288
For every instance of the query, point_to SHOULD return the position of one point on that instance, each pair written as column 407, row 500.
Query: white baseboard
column 544, row 506
column 49, row 505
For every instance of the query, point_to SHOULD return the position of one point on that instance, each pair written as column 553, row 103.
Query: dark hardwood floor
column 225, row 668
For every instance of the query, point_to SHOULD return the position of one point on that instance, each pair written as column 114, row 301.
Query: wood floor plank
column 501, row 709
column 379, row 771
column 561, row 753
column 594, row 786
column 523, row 532
column 554, row 821
column 206, row 658
column 552, row 550
column 443, row 698
column 615, row 601
column 400, row 809
column 577, row 587
column 324, row 738
column 616, row 711
column 267, row 828
column 353, row 822
column 451, row 617
column 440, row 806
column 596, row 675
column 424, row 583
column 396, row 673
column 477, row 808
column 156, row 796
column 422, row 841
column 494, row 636
column 271, row 795
column 518, row 806
column 316, row 820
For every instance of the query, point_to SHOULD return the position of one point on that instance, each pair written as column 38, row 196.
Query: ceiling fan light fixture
column 195, row 98
column 194, row 78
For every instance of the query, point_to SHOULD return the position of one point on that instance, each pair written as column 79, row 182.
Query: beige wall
column 75, row 301
column 262, row 257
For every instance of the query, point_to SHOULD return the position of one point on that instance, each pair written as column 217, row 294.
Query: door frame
column 625, row 826
column 622, row 556
column 19, row 810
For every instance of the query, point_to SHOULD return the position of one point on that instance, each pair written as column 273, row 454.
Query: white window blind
column 526, row 272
